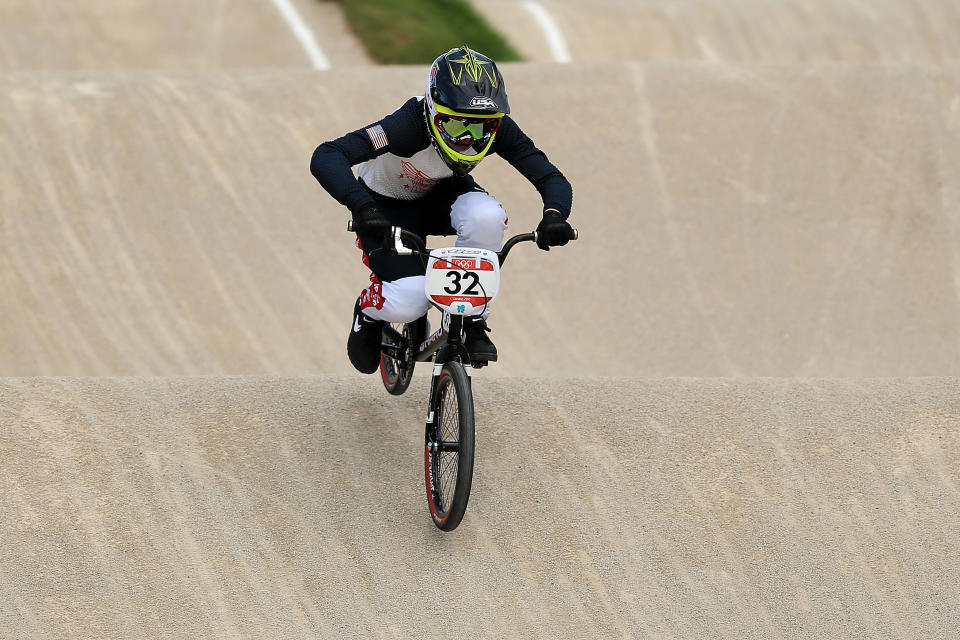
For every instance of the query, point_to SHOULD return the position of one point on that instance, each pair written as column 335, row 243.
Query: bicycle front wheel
column 449, row 445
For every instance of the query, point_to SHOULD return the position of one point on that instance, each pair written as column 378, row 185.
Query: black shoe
column 477, row 342
column 363, row 345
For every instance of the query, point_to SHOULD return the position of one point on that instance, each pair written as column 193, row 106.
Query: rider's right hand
column 369, row 221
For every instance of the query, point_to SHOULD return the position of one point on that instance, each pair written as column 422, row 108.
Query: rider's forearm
column 518, row 149
column 554, row 188
column 331, row 166
column 557, row 195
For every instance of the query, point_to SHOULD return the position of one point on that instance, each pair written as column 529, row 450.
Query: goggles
column 461, row 129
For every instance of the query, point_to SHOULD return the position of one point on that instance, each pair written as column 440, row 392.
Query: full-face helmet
column 465, row 103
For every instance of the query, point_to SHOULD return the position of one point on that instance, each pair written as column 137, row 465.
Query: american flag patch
column 377, row 137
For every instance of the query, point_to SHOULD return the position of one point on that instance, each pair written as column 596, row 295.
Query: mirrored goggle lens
column 476, row 128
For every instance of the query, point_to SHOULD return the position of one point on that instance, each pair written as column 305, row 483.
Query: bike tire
column 396, row 376
column 449, row 473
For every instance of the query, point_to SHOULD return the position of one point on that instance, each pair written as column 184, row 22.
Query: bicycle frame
column 434, row 344
column 445, row 344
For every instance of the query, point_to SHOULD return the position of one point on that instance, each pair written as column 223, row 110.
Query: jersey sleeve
column 518, row 149
column 403, row 133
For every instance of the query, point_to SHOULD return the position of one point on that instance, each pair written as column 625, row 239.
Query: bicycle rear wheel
column 449, row 446
column 398, row 372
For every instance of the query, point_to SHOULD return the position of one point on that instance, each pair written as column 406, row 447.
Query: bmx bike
column 460, row 282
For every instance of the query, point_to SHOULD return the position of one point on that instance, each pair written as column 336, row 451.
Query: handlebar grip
column 574, row 236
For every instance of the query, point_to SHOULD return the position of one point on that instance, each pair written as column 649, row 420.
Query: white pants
column 480, row 222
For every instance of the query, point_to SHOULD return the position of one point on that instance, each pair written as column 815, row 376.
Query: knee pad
column 479, row 220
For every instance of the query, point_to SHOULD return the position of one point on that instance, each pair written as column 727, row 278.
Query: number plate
column 462, row 280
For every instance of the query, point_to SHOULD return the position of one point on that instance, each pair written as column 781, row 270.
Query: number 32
column 456, row 284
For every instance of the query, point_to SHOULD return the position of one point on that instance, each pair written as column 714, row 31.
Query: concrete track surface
column 294, row 507
column 776, row 194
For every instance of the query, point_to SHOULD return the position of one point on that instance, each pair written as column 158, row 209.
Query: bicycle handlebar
column 400, row 235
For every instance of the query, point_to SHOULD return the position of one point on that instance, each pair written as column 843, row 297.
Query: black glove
column 369, row 221
column 553, row 231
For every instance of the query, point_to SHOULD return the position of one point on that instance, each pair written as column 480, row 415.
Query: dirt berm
column 739, row 30
column 737, row 220
column 294, row 507
column 58, row 35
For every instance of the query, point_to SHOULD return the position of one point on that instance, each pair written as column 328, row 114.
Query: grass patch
column 417, row 31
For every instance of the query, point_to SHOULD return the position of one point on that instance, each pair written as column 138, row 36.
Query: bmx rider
column 413, row 172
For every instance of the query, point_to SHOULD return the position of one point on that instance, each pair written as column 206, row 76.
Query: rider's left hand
column 553, row 230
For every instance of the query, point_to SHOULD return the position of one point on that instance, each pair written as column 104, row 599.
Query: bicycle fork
column 449, row 352
column 434, row 442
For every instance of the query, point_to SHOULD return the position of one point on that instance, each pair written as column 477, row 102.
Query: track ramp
column 294, row 507
column 736, row 220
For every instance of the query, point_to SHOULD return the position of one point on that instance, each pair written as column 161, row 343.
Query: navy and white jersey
column 398, row 160
column 404, row 178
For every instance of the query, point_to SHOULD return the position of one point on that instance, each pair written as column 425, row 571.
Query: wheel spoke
column 448, row 430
